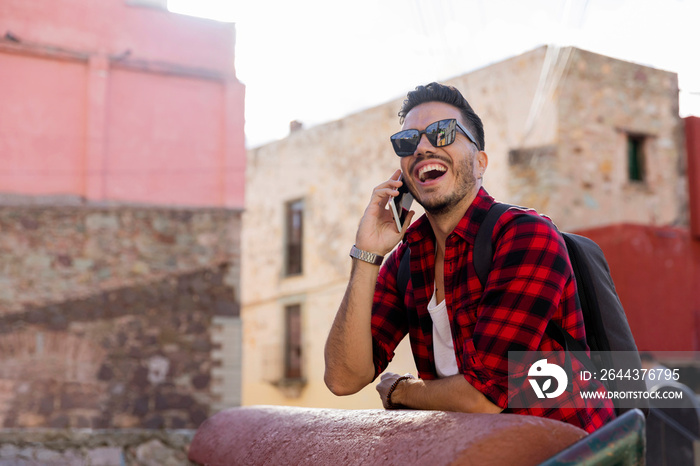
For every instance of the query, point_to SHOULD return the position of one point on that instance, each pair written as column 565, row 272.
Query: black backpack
column 606, row 325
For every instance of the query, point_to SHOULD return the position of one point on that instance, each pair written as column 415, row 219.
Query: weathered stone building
column 586, row 139
column 118, row 316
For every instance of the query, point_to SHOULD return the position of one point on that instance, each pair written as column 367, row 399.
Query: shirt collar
column 467, row 227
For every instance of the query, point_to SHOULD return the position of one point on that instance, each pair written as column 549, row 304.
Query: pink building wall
column 116, row 102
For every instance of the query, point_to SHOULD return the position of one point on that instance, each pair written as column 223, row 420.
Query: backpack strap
column 483, row 246
column 569, row 343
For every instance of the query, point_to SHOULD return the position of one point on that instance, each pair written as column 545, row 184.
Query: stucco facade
column 557, row 123
column 119, row 100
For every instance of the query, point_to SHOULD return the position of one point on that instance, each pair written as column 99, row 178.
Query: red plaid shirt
column 531, row 282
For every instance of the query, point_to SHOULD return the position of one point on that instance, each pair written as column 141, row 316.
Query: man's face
column 441, row 178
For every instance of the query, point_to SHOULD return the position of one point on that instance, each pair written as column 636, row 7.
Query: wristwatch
column 374, row 259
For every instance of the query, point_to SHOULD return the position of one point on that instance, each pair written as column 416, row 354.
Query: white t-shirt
column 443, row 346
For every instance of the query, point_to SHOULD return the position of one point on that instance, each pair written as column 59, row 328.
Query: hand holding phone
column 400, row 205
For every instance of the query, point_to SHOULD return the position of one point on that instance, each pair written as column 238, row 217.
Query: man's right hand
column 377, row 231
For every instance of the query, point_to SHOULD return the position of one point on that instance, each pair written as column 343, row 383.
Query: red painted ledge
column 287, row 435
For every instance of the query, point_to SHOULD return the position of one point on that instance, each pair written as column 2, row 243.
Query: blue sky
column 320, row 60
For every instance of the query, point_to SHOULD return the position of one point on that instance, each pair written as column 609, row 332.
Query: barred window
column 294, row 237
column 292, row 353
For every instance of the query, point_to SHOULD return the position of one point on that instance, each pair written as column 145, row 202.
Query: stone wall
column 50, row 253
column 601, row 101
column 110, row 316
column 61, row 447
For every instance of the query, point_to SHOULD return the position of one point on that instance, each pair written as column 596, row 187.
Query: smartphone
column 400, row 205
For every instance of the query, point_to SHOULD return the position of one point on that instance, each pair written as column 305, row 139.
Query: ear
column 482, row 161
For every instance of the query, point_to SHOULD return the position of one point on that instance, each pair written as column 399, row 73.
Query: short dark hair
column 436, row 92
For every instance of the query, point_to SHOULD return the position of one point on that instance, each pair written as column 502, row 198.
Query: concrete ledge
column 287, row 435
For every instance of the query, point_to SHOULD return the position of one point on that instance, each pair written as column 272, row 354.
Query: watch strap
column 370, row 257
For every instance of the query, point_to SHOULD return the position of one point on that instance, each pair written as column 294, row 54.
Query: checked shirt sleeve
column 389, row 320
column 531, row 276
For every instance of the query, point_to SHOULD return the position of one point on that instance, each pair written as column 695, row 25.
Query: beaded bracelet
column 389, row 404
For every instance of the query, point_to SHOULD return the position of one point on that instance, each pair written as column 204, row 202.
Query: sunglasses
column 440, row 134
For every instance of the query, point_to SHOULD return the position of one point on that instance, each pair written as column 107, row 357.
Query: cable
column 553, row 68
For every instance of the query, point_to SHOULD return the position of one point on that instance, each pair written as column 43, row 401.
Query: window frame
column 294, row 240
column 293, row 357
column 636, row 157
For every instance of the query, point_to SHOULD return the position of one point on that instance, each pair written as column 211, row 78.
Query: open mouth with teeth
column 431, row 171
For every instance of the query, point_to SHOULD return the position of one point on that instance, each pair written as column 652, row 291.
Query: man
column 460, row 333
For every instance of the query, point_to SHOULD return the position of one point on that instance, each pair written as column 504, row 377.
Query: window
column 292, row 346
column 293, row 237
column 635, row 157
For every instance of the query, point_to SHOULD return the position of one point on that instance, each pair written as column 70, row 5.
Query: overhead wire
column 555, row 63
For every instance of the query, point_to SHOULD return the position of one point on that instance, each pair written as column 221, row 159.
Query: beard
column 465, row 183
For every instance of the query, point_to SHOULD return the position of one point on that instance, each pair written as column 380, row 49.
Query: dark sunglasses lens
column 442, row 133
column 405, row 142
